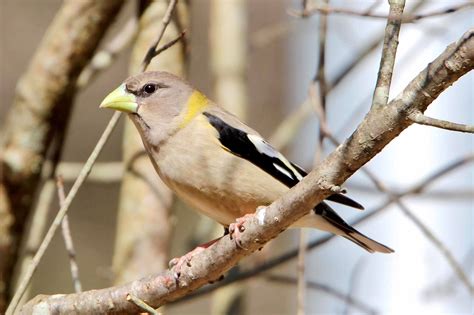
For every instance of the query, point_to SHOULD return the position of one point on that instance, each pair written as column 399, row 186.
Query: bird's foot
column 177, row 263
column 236, row 229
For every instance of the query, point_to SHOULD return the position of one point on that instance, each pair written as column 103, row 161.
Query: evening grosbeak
column 213, row 161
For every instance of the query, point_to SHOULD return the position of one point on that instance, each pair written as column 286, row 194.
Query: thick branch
column 380, row 126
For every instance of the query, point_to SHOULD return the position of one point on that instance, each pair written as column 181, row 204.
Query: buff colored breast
column 223, row 198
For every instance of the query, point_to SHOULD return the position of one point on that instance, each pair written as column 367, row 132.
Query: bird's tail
column 366, row 242
column 325, row 218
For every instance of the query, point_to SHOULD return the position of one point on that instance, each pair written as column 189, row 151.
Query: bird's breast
column 212, row 180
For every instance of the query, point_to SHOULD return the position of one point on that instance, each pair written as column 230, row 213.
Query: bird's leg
column 236, row 229
column 177, row 263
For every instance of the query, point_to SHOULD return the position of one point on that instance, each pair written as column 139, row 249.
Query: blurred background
column 260, row 61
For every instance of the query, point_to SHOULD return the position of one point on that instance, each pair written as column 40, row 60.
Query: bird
column 214, row 162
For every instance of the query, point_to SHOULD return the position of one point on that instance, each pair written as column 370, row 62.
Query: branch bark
column 419, row 118
column 389, row 51
column 41, row 107
column 379, row 127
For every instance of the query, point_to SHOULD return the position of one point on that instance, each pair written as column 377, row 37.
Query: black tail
column 340, row 227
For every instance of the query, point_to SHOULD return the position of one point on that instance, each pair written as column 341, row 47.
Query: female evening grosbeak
column 213, row 161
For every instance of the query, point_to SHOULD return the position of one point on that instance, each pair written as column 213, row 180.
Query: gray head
column 156, row 101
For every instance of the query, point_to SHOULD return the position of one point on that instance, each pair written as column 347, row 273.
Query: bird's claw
column 236, row 229
column 177, row 263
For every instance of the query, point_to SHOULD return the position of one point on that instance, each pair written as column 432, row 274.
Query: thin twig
column 164, row 23
column 62, row 212
column 66, row 231
column 389, row 52
column 405, row 18
column 320, row 79
column 328, row 290
column 421, row 119
column 141, row 304
column 169, row 44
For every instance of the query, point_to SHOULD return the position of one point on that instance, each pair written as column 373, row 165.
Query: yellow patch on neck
column 196, row 103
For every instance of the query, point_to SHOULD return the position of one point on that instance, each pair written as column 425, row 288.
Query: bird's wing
column 255, row 149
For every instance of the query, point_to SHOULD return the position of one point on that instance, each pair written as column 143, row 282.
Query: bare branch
column 169, row 44
column 377, row 129
column 389, row 51
column 66, row 231
column 152, row 52
column 368, row 13
column 419, row 118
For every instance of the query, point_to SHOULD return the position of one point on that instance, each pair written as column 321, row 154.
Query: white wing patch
column 265, row 148
column 282, row 170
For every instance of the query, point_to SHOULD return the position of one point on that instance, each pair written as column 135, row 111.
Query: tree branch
column 419, row 118
column 66, row 231
column 389, row 51
column 409, row 18
column 380, row 126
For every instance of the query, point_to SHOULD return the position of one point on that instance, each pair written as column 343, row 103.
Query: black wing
column 259, row 152
column 255, row 150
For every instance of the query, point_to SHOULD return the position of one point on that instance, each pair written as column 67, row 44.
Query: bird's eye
column 149, row 88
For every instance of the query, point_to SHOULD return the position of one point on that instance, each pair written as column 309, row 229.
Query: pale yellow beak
column 120, row 99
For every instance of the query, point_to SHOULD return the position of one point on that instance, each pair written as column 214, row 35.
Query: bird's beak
column 120, row 99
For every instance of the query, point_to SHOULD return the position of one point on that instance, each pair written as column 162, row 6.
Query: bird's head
column 156, row 102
